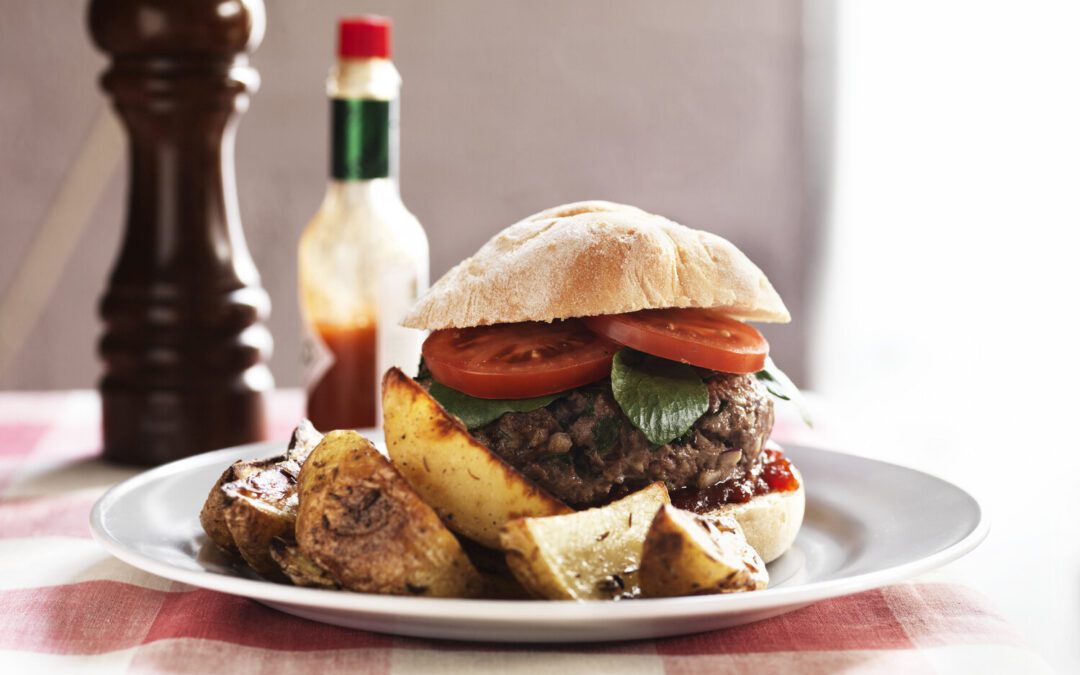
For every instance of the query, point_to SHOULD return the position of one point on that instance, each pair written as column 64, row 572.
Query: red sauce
column 773, row 474
column 777, row 472
column 345, row 396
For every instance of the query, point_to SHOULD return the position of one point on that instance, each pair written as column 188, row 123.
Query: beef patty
column 583, row 449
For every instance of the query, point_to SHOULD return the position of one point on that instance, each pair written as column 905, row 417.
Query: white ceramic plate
column 868, row 524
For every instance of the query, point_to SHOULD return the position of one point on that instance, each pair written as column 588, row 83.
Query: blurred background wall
column 700, row 111
column 946, row 330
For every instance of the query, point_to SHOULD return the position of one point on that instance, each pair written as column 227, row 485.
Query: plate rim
column 538, row 612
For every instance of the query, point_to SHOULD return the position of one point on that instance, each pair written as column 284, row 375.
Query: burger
column 598, row 349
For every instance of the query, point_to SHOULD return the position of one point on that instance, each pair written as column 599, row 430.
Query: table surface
column 66, row 604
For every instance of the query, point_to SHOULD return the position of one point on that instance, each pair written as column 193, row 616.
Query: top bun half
column 591, row 258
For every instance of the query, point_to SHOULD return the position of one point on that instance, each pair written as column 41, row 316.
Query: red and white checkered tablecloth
column 66, row 605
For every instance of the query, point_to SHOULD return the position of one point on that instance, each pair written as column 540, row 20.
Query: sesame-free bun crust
column 591, row 258
column 771, row 521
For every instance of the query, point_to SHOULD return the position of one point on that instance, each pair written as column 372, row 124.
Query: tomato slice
column 518, row 360
column 701, row 337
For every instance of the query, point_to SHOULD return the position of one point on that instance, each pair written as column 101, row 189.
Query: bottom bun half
column 770, row 521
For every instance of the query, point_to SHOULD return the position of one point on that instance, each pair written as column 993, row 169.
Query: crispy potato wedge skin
column 472, row 489
column 300, row 569
column 255, row 501
column 361, row 522
column 304, row 439
column 688, row 554
column 212, row 516
column 262, row 506
column 589, row 555
column 254, row 523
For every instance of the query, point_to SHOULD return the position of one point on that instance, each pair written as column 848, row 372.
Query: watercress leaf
column 772, row 385
column 780, row 385
column 476, row 412
column 662, row 398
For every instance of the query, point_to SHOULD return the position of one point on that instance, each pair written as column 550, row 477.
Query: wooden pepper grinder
column 184, row 344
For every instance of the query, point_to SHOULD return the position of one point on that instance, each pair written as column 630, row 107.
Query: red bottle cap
column 364, row 37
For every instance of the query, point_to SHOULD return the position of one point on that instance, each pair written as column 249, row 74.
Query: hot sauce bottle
column 364, row 256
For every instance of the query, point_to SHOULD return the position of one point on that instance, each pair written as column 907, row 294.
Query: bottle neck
column 363, row 139
column 349, row 195
column 363, row 120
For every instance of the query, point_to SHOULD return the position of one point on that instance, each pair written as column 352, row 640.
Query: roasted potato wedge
column 255, row 501
column 255, row 519
column 212, row 516
column 304, row 439
column 472, row 489
column 361, row 522
column 688, row 554
column 300, row 569
column 589, row 555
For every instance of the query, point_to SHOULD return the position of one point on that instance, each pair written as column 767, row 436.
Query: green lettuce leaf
column 476, row 412
column 662, row 398
column 780, row 385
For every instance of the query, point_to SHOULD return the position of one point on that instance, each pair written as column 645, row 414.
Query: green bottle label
column 361, row 139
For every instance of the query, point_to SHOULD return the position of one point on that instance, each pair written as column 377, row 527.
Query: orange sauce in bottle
column 344, row 397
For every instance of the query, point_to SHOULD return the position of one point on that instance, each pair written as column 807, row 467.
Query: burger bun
column 593, row 258
column 770, row 521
